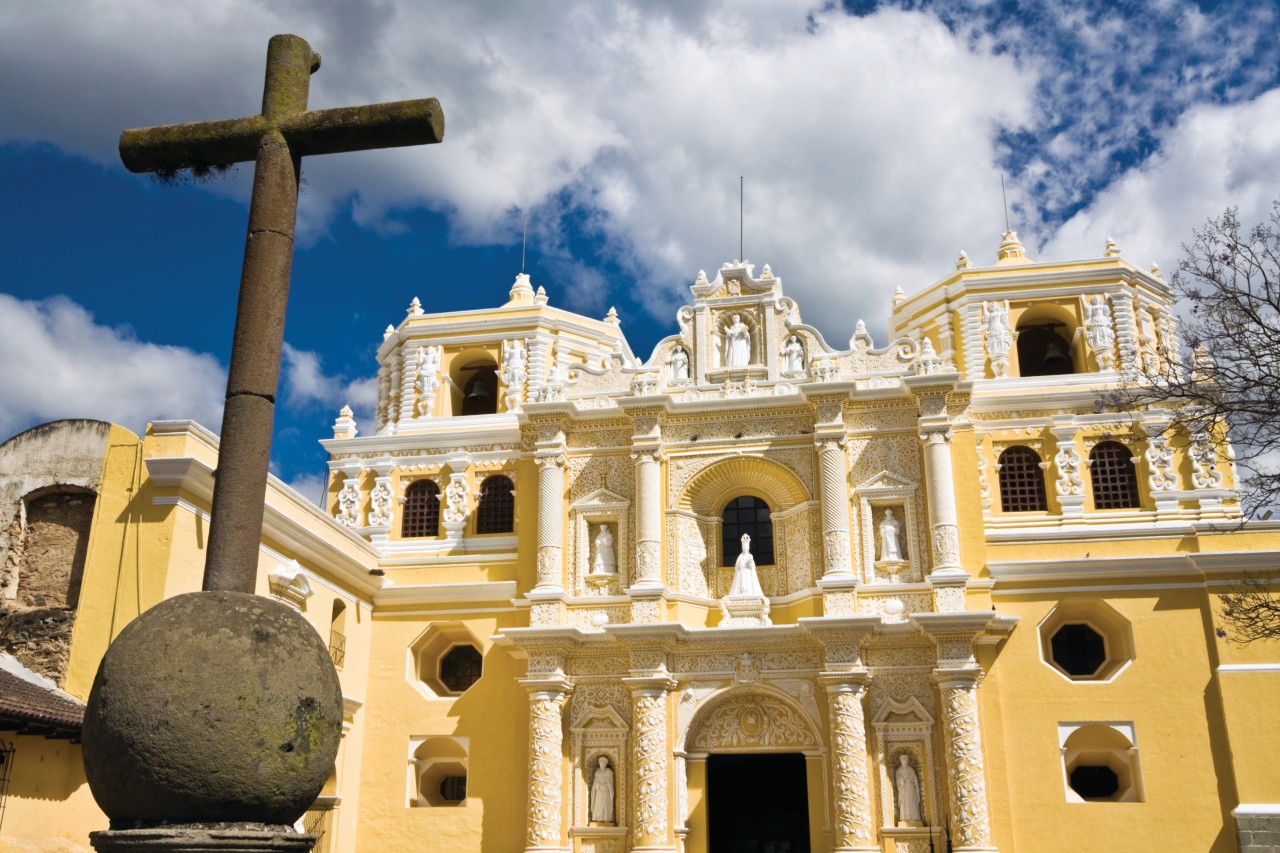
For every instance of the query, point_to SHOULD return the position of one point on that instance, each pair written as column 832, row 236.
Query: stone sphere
column 212, row 707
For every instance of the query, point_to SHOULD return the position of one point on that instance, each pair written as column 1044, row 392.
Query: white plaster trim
column 446, row 593
column 1059, row 590
column 1256, row 809
column 1249, row 667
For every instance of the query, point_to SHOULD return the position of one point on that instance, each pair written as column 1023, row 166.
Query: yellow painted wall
column 48, row 795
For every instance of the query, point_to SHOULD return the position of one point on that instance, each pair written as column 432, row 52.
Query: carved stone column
column 648, row 517
column 853, row 821
column 1070, row 483
column 970, row 828
column 944, row 529
column 832, row 467
column 408, row 375
column 550, row 521
column 651, row 825
column 546, row 762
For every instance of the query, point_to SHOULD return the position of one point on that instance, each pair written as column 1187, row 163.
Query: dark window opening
column 1021, row 481
column 497, row 509
column 460, row 668
column 749, row 515
column 1094, row 781
column 1114, row 480
column 1078, row 650
column 421, row 514
column 480, row 392
column 1043, row 352
column 453, row 789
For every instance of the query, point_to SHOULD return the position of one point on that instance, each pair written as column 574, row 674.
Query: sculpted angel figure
column 745, row 579
column 428, row 379
column 995, row 317
column 737, row 343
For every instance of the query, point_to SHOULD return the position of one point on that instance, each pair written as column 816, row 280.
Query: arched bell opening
column 474, row 383
column 1044, row 349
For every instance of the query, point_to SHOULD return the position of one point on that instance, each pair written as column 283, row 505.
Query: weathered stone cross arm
column 277, row 139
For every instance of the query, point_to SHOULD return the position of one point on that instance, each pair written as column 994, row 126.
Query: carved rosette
column 852, row 791
column 545, row 752
column 650, row 824
column 964, row 764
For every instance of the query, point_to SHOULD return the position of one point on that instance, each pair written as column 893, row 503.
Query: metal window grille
column 453, row 789
column 749, row 515
column 421, row 514
column 337, row 648
column 6, row 769
column 1115, row 482
column 497, row 510
column 318, row 821
column 1021, row 481
column 461, row 668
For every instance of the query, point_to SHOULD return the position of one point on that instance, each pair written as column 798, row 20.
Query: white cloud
column 869, row 144
column 59, row 363
column 305, row 383
column 310, row 486
column 1216, row 157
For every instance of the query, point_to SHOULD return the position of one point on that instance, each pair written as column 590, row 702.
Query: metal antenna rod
column 741, row 252
column 524, row 221
column 1005, row 199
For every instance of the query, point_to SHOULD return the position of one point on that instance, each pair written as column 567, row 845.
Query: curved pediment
column 754, row 719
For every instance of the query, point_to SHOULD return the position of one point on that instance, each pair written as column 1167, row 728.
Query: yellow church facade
column 751, row 589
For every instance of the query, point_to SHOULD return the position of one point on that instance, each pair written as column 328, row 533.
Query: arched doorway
column 755, row 774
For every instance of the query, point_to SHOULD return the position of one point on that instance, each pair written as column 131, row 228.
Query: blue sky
column 872, row 137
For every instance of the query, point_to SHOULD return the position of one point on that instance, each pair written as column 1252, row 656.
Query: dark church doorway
column 757, row 804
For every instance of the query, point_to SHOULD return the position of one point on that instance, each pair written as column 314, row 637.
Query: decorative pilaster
column 1069, row 485
column 382, row 501
column 408, row 375
column 550, row 520
column 833, row 468
column 546, row 760
column 853, row 820
column 648, row 516
column 970, row 827
column 348, row 514
column 944, row 529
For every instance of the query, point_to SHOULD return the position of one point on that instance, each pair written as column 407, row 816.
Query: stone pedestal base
column 741, row 611
column 905, row 838
column 204, row 838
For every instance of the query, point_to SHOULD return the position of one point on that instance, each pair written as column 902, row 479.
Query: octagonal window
column 460, row 668
column 1078, row 650
column 1094, row 781
column 1100, row 762
column 1086, row 640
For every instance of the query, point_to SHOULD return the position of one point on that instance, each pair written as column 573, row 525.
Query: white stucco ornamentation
column 850, row 783
column 1164, row 475
column 515, row 372
column 427, row 382
column 753, row 720
column 963, row 739
column 550, row 520
column 999, row 337
column 1204, row 463
column 545, row 750
column 455, row 499
column 1067, row 461
column 1100, row 332
column 349, row 503
column 649, row 713
column 380, row 503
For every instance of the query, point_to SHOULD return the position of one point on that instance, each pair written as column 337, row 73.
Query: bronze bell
column 1055, row 358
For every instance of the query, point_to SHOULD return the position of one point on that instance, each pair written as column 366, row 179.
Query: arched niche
column 475, row 372
column 750, row 719
column 1047, row 341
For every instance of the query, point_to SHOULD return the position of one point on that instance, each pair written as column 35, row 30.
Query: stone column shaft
column 853, row 821
column 648, row 518
column 650, row 826
column 837, row 561
column 944, row 530
column 967, row 788
column 546, row 782
column 551, row 522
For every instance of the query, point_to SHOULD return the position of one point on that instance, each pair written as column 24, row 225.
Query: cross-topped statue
column 277, row 139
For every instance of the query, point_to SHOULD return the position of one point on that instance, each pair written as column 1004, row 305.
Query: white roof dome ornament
column 1155, row 271
column 899, row 296
column 1011, row 250
column 388, row 331
column 963, row 262
column 702, row 277
column 415, row 308
column 612, row 317
column 768, row 272
column 521, row 291
column 540, row 297
column 1112, row 250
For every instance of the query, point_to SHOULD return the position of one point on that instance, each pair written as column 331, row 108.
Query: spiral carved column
column 854, row 823
column 648, row 517
column 550, row 523
column 963, row 736
column 837, row 562
column 944, row 530
column 546, row 750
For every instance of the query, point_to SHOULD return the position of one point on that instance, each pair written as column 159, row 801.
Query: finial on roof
column 1155, row 271
column 612, row 317
column 1011, row 251
column 345, row 425
column 1112, row 250
column 927, row 350
column 541, row 296
column 388, row 331
column 521, row 291
column 962, row 262
column 415, row 308
column 702, row 276
column 728, row 265
column 899, row 296
column 860, row 328
column 768, row 272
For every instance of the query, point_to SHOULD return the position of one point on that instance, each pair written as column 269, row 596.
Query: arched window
column 1115, row 482
column 497, row 510
column 1042, row 351
column 421, row 515
column 751, row 516
column 1021, row 481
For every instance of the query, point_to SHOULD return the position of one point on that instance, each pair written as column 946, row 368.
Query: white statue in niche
column 601, row 800
column 890, row 538
column 606, row 561
column 428, row 379
column 1099, row 331
column 793, row 355
column 679, row 365
column 745, row 579
column 995, row 318
column 737, row 343
column 908, row 785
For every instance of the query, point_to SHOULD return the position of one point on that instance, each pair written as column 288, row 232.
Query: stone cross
column 276, row 139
